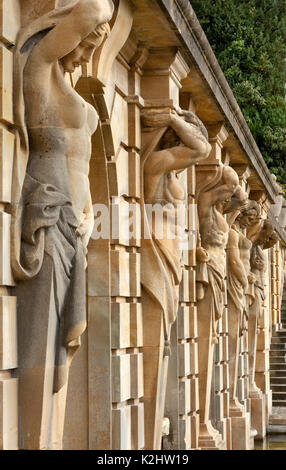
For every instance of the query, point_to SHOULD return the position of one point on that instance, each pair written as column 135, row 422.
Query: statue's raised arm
column 83, row 20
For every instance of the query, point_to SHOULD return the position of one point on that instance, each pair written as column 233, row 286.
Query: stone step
column 277, row 373
column 278, row 388
column 278, row 366
column 278, row 340
column 279, row 396
column 280, row 331
column 277, row 360
column 281, row 403
column 278, row 380
column 278, row 347
column 279, row 334
column 278, row 353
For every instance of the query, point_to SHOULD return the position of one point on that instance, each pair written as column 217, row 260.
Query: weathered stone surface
column 8, row 414
column 6, row 155
column 10, row 20
column 6, row 278
column 6, row 84
column 8, row 333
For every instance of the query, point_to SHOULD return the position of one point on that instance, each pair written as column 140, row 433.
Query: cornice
column 188, row 28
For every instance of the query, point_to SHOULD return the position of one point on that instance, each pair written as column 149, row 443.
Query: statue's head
column 237, row 202
column 248, row 214
column 84, row 51
column 257, row 261
column 272, row 240
column 229, row 184
column 265, row 233
column 230, row 179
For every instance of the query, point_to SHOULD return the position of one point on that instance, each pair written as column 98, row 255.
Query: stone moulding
column 185, row 22
column 280, row 231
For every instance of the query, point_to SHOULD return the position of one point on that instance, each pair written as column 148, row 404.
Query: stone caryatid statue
column 175, row 141
column 51, row 208
column 240, row 289
column 214, row 193
column 264, row 239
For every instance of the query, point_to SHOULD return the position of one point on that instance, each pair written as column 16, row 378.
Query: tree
column 249, row 40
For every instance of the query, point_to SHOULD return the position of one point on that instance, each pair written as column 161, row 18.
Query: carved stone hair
column 250, row 206
column 101, row 30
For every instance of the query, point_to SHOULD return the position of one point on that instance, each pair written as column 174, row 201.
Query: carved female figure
column 213, row 193
column 263, row 240
column 51, row 208
column 178, row 141
column 239, row 281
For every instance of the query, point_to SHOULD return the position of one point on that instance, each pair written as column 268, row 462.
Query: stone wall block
column 137, row 426
column 193, row 322
column 184, row 396
column 121, row 378
column 134, row 126
column 118, row 174
column 98, row 271
column 225, row 371
column 262, row 361
column 120, row 325
column 119, row 122
column 8, row 414
column 195, row 423
column 125, row 223
column 185, row 433
column 121, row 428
column 135, row 266
column 184, row 286
column 183, row 322
column 136, row 325
column 194, row 384
column 194, row 360
column 184, row 359
column 6, row 164
column 120, row 275
column 6, row 278
column 6, row 84
column 192, row 180
column 10, row 20
column 134, row 174
column 136, row 375
column 8, row 333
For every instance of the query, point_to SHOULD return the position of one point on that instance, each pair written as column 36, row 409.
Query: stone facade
column 156, row 61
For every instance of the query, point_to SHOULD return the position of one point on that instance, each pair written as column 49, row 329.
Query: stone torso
column 214, row 234
column 60, row 124
column 165, row 188
column 245, row 250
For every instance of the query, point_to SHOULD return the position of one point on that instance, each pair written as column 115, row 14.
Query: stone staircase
column 278, row 361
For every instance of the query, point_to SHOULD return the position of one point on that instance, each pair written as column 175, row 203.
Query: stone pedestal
column 240, row 427
column 258, row 419
column 210, row 438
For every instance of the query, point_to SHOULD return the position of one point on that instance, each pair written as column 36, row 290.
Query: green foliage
column 249, row 40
